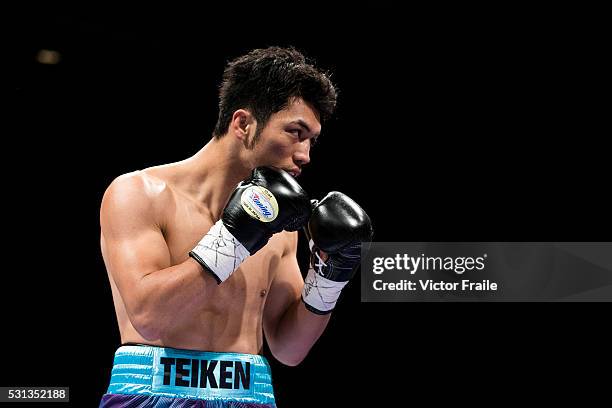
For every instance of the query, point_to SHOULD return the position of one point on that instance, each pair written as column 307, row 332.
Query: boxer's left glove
column 336, row 230
column 269, row 201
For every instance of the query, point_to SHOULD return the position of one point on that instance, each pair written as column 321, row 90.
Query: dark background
column 450, row 127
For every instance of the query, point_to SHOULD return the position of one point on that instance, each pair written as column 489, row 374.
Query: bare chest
column 185, row 225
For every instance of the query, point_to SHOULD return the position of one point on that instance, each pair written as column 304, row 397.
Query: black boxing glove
column 336, row 230
column 269, row 201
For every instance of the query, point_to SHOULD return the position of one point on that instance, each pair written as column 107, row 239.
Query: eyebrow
column 303, row 124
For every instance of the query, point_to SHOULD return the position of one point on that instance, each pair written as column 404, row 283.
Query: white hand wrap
column 220, row 252
column 319, row 292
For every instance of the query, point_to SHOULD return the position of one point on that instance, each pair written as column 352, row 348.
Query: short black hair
column 265, row 80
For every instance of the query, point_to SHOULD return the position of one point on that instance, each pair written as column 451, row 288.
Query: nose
column 301, row 156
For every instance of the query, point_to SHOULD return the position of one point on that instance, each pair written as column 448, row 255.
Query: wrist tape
column 219, row 252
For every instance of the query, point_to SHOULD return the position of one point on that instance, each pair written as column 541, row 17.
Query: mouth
column 294, row 172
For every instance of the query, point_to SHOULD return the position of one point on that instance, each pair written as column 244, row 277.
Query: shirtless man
column 201, row 254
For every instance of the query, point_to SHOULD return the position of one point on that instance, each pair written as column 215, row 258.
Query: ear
column 242, row 125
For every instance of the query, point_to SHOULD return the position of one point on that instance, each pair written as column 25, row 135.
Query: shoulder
column 137, row 192
column 138, row 185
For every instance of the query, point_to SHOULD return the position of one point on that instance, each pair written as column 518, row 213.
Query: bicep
column 132, row 243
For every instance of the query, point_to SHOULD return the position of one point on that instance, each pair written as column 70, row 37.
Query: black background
column 451, row 125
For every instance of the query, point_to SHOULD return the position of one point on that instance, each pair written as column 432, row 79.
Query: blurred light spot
column 48, row 57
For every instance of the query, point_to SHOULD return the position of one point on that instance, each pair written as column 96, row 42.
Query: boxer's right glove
column 336, row 230
column 269, row 201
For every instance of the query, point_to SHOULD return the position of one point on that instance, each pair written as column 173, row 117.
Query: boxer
column 201, row 253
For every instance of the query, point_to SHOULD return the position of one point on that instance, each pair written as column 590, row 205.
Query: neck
column 211, row 175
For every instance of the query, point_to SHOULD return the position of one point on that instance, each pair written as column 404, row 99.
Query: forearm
column 297, row 332
column 167, row 293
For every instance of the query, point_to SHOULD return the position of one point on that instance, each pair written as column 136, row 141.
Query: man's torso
column 230, row 319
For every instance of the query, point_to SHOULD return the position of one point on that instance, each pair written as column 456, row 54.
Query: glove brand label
column 259, row 203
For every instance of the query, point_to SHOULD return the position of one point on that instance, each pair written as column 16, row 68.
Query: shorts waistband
column 169, row 372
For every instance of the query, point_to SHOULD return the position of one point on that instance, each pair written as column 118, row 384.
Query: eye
column 297, row 133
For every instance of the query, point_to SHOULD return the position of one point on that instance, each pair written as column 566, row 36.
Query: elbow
column 147, row 325
column 291, row 361
column 287, row 356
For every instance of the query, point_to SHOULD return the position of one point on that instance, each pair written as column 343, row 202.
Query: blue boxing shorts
column 149, row 376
